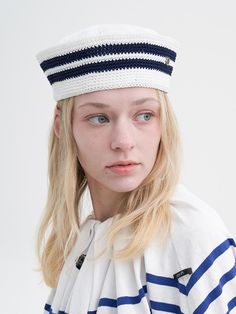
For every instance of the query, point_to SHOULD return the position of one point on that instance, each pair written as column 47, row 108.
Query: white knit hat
column 108, row 56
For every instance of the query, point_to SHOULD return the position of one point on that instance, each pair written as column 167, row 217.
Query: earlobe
column 57, row 121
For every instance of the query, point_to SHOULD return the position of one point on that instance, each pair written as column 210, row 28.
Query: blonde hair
column 147, row 205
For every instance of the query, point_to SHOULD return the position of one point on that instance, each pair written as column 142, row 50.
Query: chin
column 124, row 187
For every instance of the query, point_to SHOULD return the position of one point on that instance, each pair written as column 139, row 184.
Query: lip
column 124, row 163
column 123, row 170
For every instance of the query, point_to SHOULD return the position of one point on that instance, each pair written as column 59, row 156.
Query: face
column 114, row 126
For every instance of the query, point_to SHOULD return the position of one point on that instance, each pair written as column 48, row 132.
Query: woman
column 149, row 244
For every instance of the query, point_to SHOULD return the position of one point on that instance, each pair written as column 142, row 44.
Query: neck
column 104, row 201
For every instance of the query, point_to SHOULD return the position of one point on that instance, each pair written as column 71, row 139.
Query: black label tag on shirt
column 183, row 272
column 80, row 261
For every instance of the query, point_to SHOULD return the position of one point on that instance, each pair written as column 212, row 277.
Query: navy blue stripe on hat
column 109, row 66
column 108, row 49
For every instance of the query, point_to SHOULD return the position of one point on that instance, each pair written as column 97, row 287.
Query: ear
column 57, row 121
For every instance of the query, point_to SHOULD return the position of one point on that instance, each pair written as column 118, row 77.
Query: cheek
column 87, row 146
column 152, row 138
column 151, row 145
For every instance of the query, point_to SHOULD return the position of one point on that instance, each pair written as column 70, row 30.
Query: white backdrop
column 202, row 93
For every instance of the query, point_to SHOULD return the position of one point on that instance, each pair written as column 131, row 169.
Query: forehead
column 129, row 94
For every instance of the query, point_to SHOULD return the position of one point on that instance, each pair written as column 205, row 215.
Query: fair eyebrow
column 102, row 105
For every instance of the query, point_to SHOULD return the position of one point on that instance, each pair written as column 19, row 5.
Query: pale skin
column 126, row 129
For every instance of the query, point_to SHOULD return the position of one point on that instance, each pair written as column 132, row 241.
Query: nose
column 122, row 137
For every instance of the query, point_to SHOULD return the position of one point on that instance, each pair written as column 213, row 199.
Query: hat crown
column 107, row 30
column 106, row 56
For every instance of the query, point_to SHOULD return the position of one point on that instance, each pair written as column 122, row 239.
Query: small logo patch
column 183, row 272
column 167, row 61
column 80, row 261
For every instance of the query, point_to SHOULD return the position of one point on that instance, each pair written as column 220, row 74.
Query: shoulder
column 197, row 228
column 193, row 216
column 199, row 242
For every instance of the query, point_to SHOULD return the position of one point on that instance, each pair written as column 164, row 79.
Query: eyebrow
column 102, row 105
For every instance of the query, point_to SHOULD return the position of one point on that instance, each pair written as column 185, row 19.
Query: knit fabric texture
column 107, row 56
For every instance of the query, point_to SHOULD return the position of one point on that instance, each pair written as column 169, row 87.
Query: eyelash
column 101, row 115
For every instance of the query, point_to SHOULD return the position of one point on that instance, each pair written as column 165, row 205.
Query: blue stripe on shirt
column 216, row 292
column 197, row 274
column 124, row 299
column 165, row 307
column 48, row 308
column 206, row 264
column 231, row 305
column 165, row 281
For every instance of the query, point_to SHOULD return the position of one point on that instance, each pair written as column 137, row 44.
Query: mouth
column 123, row 163
column 123, row 170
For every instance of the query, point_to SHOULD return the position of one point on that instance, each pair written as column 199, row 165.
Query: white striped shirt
column 199, row 241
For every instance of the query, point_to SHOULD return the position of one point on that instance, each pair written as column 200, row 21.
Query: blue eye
column 101, row 118
column 146, row 114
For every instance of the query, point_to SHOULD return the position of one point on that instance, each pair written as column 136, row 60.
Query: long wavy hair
column 147, row 205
